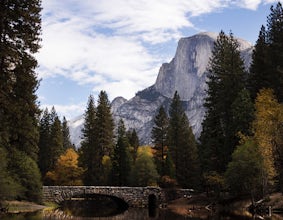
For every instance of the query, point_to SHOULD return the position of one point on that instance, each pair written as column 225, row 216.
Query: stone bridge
column 133, row 196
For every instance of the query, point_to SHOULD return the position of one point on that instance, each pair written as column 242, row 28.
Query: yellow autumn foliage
column 66, row 172
column 268, row 116
column 145, row 149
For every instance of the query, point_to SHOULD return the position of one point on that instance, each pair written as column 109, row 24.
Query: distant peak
column 201, row 35
column 209, row 34
column 117, row 102
column 119, row 98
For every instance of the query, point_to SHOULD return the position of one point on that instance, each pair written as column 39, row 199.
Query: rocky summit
column 186, row 73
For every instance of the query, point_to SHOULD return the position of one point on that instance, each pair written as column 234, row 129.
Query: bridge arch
column 133, row 196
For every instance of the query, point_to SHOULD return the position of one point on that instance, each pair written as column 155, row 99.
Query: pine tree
column 104, row 125
column 121, row 163
column 134, row 143
column 44, row 160
column 212, row 138
column 182, row 145
column 175, row 113
column 56, row 139
column 275, row 52
column 169, row 167
column 159, row 138
column 89, row 155
column 98, row 139
column 20, row 27
column 259, row 76
column 266, row 68
column 242, row 113
column 66, row 135
column 226, row 81
column 189, row 167
column 51, row 140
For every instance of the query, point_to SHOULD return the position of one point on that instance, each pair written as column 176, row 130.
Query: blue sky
column 119, row 45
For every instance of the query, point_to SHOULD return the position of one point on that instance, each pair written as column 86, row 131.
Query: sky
column 119, row 45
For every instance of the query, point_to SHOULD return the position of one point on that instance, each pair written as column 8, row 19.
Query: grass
column 22, row 206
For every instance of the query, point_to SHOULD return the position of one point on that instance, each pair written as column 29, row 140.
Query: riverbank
column 198, row 206
column 201, row 206
column 21, row 206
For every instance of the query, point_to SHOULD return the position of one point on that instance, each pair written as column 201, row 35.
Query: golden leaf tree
column 66, row 172
column 268, row 118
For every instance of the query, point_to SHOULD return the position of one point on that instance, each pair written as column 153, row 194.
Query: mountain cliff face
column 187, row 74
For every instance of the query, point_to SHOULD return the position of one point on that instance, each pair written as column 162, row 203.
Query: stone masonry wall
column 134, row 196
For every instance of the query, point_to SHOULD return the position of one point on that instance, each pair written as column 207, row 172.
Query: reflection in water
column 152, row 206
column 94, row 206
column 130, row 214
column 133, row 214
column 112, row 208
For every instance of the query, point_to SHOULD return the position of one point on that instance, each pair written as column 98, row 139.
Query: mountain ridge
column 185, row 73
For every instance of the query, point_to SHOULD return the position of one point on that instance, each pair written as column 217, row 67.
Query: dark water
column 96, row 206
column 105, row 208
column 130, row 214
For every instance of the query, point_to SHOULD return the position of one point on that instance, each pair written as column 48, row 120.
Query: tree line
column 112, row 156
column 240, row 149
column 240, row 146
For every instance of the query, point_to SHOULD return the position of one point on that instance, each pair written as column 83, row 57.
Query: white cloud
column 69, row 111
column 103, row 43
column 122, row 87
column 252, row 4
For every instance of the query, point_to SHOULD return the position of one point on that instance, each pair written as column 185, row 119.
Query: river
column 105, row 208
column 130, row 214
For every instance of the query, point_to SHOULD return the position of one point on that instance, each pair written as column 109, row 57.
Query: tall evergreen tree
column 20, row 27
column 44, row 160
column 182, row 145
column 266, row 68
column 175, row 113
column 104, row 125
column 226, row 80
column 259, row 76
column 50, row 140
column 169, row 166
column 275, row 52
column 56, row 138
column 121, row 163
column 134, row 142
column 89, row 155
column 159, row 137
column 189, row 167
column 242, row 113
column 66, row 135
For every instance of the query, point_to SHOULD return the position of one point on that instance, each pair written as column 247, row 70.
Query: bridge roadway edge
column 133, row 196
